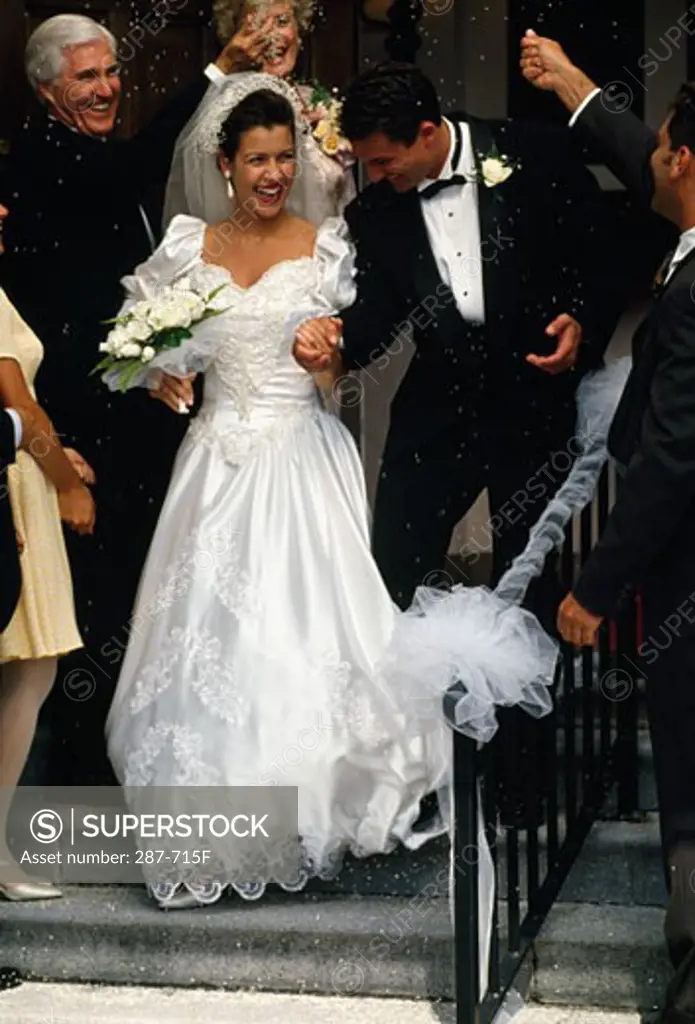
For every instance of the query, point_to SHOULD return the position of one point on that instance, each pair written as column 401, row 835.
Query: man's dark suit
column 470, row 411
column 75, row 229
column 10, row 575
column 649, row 539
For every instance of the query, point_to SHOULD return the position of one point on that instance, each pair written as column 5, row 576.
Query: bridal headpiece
column 208, row 131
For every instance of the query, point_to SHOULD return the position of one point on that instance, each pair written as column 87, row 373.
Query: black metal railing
column 568, row 763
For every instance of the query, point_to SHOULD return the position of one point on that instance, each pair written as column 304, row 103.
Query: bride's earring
column 230, row 187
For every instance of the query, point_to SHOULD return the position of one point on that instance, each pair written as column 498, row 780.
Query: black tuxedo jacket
column 548, row 246
column 650, row 533
column 10, row 576
column 74, row 230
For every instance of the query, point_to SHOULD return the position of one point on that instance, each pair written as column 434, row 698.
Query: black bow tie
column 436, row 187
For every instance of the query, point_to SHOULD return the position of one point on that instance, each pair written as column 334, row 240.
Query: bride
column 261, row 614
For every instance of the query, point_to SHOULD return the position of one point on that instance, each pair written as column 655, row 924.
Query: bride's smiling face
column 263, row 170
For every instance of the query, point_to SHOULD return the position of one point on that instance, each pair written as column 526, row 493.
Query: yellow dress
column 43, row 624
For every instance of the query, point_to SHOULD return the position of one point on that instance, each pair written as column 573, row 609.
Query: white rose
column 131, row 350
column 106, row 346
column 168, row 315
column 194, row 304
column 116, row 339
column 137, row 330
column 182, row 285
column 495, row 171
column 148, row 353
column 141, row 310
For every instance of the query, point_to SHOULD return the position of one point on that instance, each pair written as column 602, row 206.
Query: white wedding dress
column 262, row 620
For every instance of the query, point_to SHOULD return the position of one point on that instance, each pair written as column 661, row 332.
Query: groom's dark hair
column 393, row 99
column 681, row 126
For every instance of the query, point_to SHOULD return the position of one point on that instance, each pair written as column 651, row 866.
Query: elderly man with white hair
column 77, row 224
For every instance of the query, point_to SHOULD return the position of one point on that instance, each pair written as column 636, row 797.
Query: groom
column 649, row 537
column 490, row 242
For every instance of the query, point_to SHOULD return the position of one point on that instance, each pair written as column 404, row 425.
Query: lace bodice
column 253, row 385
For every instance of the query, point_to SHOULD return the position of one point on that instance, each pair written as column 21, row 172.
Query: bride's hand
column 81, row 466
column 316, row 343
column 245, row 50
column 176, row 393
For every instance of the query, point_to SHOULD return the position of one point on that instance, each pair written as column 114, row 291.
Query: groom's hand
column 575, row 624
column 568, row 332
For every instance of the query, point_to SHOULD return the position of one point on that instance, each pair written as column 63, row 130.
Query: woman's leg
column 24, row 686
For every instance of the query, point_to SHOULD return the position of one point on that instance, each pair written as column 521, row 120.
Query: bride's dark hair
column 261, row 109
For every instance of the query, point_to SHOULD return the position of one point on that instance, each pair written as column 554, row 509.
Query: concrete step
column 87, row 1004
column 307, row 943
column 612, row 957
column 602, row 943
column 369, row 932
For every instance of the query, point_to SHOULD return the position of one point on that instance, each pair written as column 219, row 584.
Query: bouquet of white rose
column 151, row 326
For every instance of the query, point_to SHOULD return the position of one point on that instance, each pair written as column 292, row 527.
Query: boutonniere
column 322, row 111
column 494, row 168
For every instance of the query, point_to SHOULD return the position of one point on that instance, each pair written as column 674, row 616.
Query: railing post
column 465, row 882
column 627, row 747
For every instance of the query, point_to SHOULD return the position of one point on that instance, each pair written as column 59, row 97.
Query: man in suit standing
column 77, row 225
column 649, row 538
column 490, row 243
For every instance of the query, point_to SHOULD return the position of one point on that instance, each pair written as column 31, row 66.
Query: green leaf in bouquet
column 172, row 337
column 215, row 292
column 131, row 369
column 209, row 313
column 104, row 364
column 319, row 94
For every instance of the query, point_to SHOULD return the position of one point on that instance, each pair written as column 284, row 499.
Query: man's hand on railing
column 577, row 625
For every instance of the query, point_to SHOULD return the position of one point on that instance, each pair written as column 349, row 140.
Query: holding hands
column 317, row 344
column 75, row 501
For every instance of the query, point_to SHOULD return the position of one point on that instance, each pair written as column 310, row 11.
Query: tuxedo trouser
column 668, row 662
column 419, row 502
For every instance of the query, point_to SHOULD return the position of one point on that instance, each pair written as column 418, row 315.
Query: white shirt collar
column 686, row 242
column 75, row 131
column 447, row 169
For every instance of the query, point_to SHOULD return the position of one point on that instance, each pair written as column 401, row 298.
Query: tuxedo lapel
column 497, row 248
